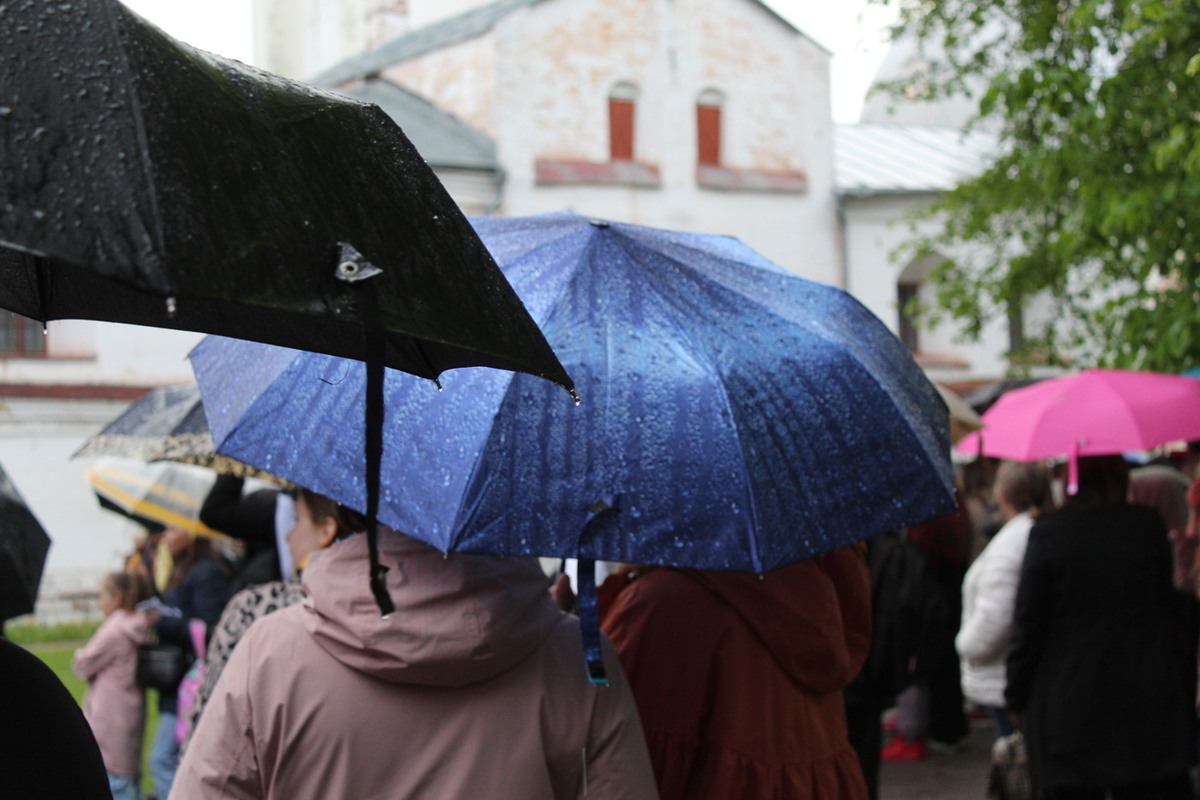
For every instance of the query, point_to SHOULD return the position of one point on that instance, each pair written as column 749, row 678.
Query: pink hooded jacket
column 474, row 687
column 115, row 706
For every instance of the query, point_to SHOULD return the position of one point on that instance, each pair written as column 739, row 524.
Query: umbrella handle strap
column 589, row 622
column 375, row 351
column 1073, row 469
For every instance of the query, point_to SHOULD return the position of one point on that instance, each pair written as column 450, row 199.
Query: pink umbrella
column 1094, row 412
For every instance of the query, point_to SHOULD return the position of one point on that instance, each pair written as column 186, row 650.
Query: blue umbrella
column 733, row 416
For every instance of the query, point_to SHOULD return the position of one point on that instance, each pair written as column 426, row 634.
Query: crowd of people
column 1075, row 625
column 1070, row 617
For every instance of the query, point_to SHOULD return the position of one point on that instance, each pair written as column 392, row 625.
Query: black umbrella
column 167, row 423
column 23, row 548
column 144, row 181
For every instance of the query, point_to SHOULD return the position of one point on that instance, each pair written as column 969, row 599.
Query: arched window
column 708, row 127
column 912, row 291
column 622, row 101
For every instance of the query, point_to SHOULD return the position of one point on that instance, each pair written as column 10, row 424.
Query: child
column 115, row 706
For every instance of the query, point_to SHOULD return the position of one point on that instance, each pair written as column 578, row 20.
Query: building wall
column 555, row 64
column 88, row 353
column 37, row 438
column 875, row 228
column 461, row 80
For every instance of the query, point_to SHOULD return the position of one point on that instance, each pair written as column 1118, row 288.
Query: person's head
column 319, row 522
column 1103, row 482
column 122, row 590
column 1021, row 487
column 179, row 542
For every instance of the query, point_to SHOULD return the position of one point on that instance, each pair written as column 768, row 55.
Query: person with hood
column 115, row 706
column 320, row 521
column 473, row 687
column 739, row 677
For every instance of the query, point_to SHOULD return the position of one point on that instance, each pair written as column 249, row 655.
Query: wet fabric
column 733, row 416
column 472, row 688
column 148, row 182
column 23, row 548
column 739, row 677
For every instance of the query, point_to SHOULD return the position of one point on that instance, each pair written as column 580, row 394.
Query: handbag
column 1009, row 778
column 160, row 666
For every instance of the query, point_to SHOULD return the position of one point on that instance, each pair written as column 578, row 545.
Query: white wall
column 874, row 229
column 37, row 438
column 83, row 352
column 557, row 61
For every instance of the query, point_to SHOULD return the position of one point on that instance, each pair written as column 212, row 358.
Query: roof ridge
column 463, row 27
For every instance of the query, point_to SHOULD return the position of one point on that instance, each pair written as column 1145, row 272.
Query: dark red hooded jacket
column 738, row 677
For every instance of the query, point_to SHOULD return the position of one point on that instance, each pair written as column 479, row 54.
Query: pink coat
column 115, row 706
column 474, row 687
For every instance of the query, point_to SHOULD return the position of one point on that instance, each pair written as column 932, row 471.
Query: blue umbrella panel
column 733, row 416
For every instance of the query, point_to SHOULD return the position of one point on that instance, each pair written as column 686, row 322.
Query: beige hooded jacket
column 474, row 687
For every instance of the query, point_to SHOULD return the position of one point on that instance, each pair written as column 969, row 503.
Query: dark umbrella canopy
column 144, row 181
column 165, row 424
column 734, row 416
column 23, row 548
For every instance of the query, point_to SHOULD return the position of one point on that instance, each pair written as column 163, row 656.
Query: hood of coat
column 459, row 619
column 797, row 615
column 132, row 625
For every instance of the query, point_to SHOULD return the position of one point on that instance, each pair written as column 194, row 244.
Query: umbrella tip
column 600, row 223
column 575, row 396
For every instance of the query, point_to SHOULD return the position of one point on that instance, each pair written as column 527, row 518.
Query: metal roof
column 447, row 33
column 430, row 38
column 442, row 139
column 876, row 158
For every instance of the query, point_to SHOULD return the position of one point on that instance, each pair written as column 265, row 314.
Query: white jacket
column 989, row 593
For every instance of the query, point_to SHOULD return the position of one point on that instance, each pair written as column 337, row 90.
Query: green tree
column 1095, row 196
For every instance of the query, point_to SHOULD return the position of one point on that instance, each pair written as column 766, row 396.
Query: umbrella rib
column 143, row 144
column 700, row 349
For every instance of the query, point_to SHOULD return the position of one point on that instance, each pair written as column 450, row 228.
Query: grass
column 55, row 645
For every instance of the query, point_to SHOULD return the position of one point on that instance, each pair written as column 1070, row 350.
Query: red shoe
column 900, row 749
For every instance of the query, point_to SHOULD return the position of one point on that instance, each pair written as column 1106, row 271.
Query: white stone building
column 705, row 115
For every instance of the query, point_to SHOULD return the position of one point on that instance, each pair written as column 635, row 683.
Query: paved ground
column 943, row 776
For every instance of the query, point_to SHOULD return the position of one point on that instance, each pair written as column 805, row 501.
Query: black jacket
column 1098, row 665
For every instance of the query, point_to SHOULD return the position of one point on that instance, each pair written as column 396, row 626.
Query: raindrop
column 39, row 214
column 170, row 306
column 5, row 111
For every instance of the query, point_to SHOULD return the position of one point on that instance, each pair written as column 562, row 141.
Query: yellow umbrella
column 163, row 492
